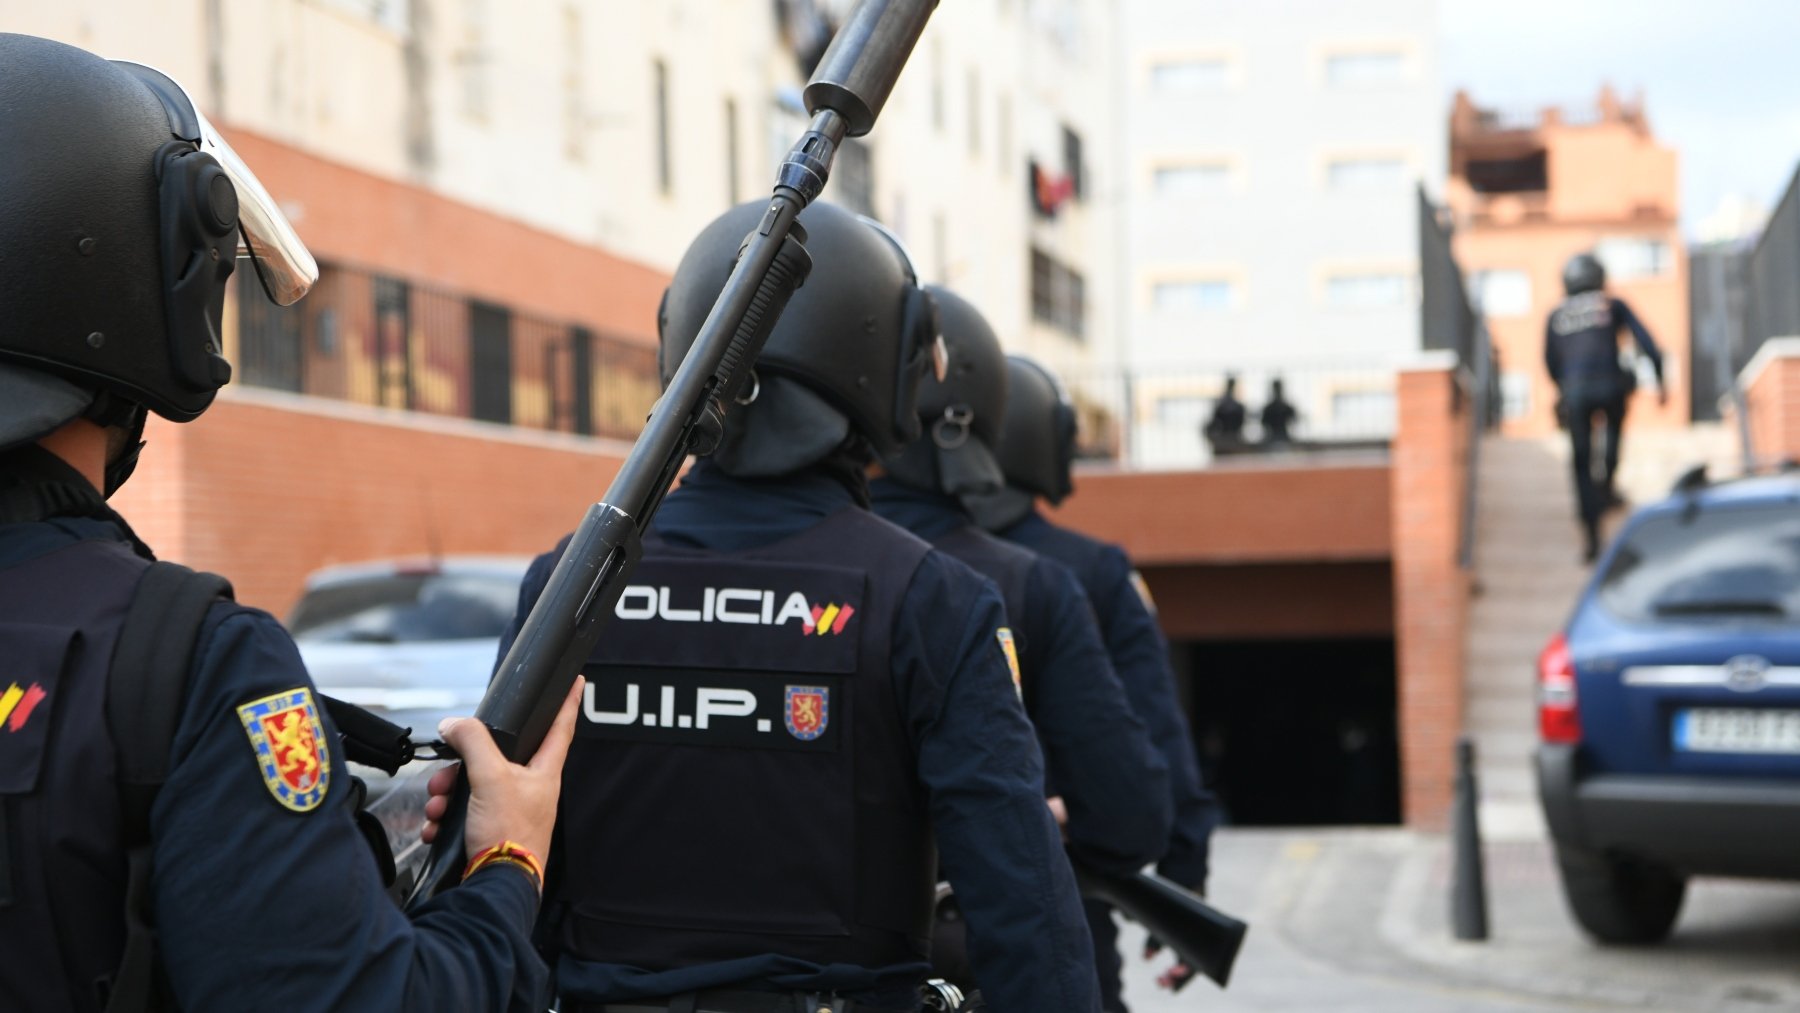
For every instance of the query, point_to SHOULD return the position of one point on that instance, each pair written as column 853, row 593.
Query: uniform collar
column 713, row 510
column 925, row 512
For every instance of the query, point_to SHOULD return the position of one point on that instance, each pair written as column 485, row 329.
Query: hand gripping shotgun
column 846, row 93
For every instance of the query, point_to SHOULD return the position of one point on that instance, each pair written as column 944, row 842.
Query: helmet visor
column 282, row 261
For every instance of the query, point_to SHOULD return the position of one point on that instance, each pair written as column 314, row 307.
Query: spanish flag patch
column 1011, row 650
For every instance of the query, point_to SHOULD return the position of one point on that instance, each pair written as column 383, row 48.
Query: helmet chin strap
column 961, row 468
column 120, row 466
column 110, row 412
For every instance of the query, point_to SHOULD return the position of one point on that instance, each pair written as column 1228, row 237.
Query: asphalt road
column 1357, row 920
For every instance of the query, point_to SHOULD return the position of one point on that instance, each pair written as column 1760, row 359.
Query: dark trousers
column 1591, row 490
column 1107, row 962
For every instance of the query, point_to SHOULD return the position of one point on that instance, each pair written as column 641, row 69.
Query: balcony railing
column 1156, row 417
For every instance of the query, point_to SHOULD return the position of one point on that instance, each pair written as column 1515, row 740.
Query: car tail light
column 1559, row 719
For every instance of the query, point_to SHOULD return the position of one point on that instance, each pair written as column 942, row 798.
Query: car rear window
column 1726, row 564
column 407, row 608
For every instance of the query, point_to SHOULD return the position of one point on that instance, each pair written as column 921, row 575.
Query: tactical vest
column 62, row 861
column 1009, row 567
column 1585, row 328
column 741, row 780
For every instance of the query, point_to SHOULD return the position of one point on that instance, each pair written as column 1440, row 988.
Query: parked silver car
column 411, row 640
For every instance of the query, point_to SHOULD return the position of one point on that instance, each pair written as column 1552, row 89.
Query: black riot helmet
column 121, row 212
column 1038, row 449
column 961, row 415
column 841, row 369
column 1583, row 273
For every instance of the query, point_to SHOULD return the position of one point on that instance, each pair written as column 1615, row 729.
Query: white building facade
column 1271, row 227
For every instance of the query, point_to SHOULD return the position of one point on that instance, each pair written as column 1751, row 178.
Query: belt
column 731, row 1000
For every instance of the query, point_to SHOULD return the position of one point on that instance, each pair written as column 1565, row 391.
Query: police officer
column 1581, row 351
column 1037, row 450
column 1100, row 763
column 120, row 212
column 796, row 696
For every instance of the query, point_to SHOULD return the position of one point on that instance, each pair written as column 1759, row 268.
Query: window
column 393, row 15
column 1206, row 76
column 473, row 61
column 1186, row 411
column 665, row 180
column 974, row 113
column 1527, row 173
column 1501, row 293
column 1365, row 173
column 1628, row 257
column 1072, row 161
column 1364, row 411
column 405, row 608
column 940, row 247
column 1196, row 179
column 1003, row 126
column 574, row 113
column 937, row 85
column 1515, row 395
column 1365, row 68
column 731, row 151
column 853, row 177
column 1058, row 295
column 1367, row 291
column 1201, row 296
column 1728, row 564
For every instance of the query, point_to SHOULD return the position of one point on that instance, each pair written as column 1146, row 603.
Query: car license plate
column 1737, row 730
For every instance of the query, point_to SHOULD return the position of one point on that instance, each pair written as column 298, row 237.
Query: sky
column 1720, row 78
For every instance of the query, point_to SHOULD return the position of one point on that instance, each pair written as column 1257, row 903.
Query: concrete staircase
column 1528, row 574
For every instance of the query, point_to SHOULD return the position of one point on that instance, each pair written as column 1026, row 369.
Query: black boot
column 1590, row 543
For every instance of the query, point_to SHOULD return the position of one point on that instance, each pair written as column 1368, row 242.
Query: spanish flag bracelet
column 508, row 853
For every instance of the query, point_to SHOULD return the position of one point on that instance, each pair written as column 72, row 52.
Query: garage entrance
column 1296, row 731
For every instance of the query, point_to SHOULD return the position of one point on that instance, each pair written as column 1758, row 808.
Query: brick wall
column 1431, row 592
column 268, row 487
column 1772, row 389
column 1293, row 510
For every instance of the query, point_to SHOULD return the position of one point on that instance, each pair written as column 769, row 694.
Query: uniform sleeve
column 998, row 846
column 1552, row 358
column 259, row 906
column 1641, row 335
column 1141, row 658
column 1096, row 749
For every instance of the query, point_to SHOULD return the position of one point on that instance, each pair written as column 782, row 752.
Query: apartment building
column 1274, row 153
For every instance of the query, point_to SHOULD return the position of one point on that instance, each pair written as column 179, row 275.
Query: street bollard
column 1468, row 882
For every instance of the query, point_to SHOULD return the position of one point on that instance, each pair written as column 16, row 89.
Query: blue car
column 1669, row 707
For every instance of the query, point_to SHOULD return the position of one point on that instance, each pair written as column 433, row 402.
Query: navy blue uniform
column 1581, row 351
column 1581, row 345
column 1141, row 657
column 1096, row 749
column 259, row 906
column 975, row 757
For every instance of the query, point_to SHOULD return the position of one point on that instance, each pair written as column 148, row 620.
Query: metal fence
column 1773, row 304
column 1448, row 320
column 377, row 340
